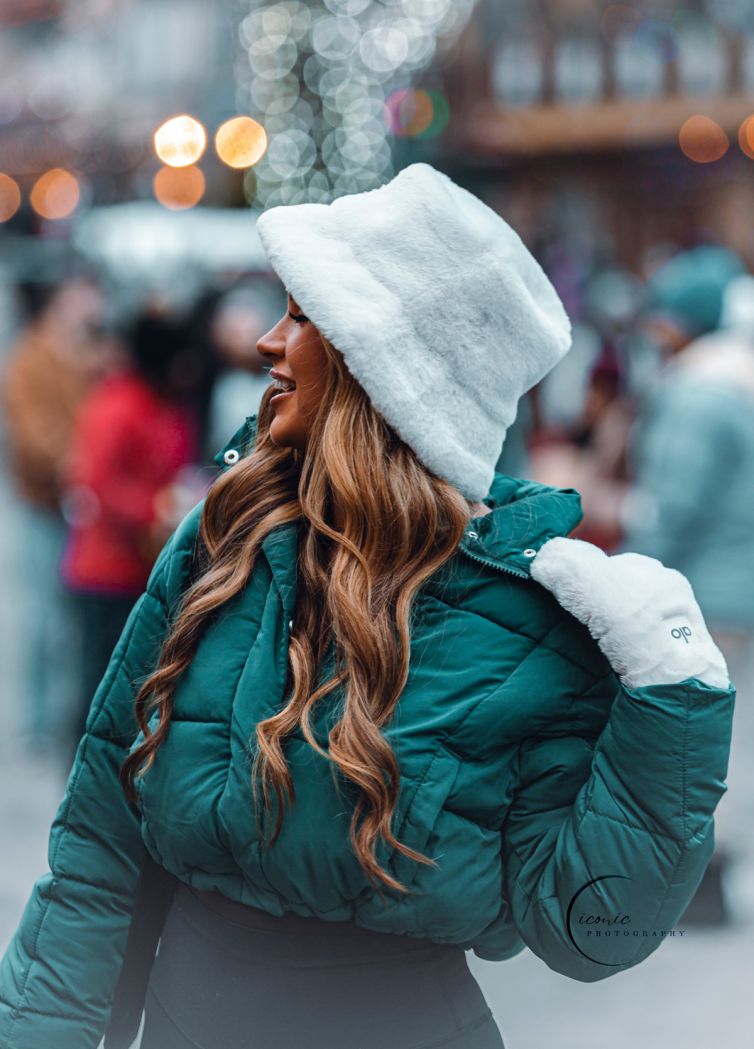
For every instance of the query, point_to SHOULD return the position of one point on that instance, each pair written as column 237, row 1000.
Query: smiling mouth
column 282, row 390
column 284, row 385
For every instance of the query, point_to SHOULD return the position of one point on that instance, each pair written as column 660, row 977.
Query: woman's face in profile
column 298, row 358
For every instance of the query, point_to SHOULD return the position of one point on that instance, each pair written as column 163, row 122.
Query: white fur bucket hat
column 441, row 313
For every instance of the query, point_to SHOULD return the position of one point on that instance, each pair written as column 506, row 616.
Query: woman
column 134, row 434
column 373, row 727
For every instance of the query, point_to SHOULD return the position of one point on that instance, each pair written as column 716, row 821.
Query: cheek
column 309, row 367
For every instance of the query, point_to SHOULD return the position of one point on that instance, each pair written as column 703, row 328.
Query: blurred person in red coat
column 128, row 482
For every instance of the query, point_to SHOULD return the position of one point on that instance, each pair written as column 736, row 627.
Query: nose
column 272, row 344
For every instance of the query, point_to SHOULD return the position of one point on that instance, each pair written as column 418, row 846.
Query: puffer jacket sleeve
column 632, row 808
column 58, row 975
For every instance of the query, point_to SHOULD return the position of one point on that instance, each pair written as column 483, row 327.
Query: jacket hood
column 523, row 516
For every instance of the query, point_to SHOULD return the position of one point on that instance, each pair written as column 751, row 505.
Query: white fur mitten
column 643, row 615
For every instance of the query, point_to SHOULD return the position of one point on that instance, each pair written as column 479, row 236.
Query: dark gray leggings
column 303, row 983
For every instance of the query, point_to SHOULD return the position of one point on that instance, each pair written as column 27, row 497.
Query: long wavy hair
column 355, row 588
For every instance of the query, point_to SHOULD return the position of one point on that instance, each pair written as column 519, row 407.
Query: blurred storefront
column 630, row 126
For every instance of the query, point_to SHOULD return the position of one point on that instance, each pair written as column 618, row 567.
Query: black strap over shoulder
column 154, row 893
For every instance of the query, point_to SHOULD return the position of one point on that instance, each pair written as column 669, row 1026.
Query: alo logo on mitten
column 681, row 633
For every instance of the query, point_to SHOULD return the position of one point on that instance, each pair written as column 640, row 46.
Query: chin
column 282, row 434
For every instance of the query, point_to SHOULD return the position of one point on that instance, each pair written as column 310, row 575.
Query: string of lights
column 330, row 81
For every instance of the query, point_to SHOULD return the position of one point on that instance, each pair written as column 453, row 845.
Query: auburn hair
column 355, row 590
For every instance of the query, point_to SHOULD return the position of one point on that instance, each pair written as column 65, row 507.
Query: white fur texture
column 441, row 313
column 643, row 615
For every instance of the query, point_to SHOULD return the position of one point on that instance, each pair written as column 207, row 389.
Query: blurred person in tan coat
column 58, row 353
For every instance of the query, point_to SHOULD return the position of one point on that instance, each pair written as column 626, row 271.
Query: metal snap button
column 472, row 535
column 529, row 552
column 231, row 456
column 290, row 624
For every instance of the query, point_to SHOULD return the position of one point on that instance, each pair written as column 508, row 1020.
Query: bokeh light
column 410, row 113
column 240, row 142
column 440, row 115
column 10, row 197
column 275, row 97
column 291, row 154
column 702, row 139
column 335, row 38
column 383, row 49
column 347, row 7
column 746, row 137
column 332, row 83
column 272, row 57
column 179, row 188
column 180, row 141
column 56, row 194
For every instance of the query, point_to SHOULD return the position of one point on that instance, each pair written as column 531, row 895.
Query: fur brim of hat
column 440, row 312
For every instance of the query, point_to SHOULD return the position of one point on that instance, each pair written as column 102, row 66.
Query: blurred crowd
column 111, row 429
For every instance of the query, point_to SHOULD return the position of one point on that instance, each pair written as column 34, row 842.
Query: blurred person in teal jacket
column 692, row 502
column 692, row 506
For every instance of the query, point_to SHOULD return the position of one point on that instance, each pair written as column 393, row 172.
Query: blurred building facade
column 627, row 123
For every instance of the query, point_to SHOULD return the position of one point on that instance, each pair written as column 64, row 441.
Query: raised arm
column 607, row 840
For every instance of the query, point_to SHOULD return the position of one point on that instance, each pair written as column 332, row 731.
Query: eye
column 299, row 318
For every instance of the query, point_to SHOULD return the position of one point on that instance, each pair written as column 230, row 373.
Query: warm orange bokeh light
column 408, row 112
column 240, row 142
column 10, row 197
column 746, row 137
column 179, row 188
column 180, row 141
column 418, row 110
column 55, row 194
column 702, row 139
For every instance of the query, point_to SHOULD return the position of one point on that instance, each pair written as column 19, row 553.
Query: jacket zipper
column 494, row 564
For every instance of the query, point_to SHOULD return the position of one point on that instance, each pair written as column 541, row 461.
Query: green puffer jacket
column 527, row 772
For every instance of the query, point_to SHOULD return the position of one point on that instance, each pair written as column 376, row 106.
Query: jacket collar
column 239, row 445
column 523, row 516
